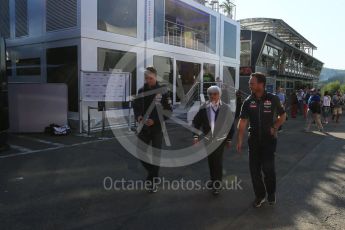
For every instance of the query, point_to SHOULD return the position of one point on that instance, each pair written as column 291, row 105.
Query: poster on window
column 105, row 87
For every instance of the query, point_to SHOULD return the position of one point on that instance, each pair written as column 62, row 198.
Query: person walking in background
column 326, row 107
column 281, row 95
column 337, row 106
column 314, row 112
column 239, row 102
column 300, row 98
column 305, row 102
column 294, row 104
column 319, row 92
column 213, row 120
column 282, row 98
column 332, row 107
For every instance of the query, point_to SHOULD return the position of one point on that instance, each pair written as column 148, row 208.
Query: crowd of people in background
column 315, row 106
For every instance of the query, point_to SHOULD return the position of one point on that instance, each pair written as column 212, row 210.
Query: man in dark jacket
column 214, row 120
column 151, row 123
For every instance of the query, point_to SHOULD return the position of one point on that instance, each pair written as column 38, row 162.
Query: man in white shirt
column 326, row 106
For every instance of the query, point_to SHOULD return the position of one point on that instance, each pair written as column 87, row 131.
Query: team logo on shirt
column 253, row 105
column 267, row 106
column 268, row 103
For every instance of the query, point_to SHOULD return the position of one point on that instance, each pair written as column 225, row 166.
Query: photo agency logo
column 231, row 183
column 183, row 85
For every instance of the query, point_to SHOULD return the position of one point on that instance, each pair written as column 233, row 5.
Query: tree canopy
column 333, row 86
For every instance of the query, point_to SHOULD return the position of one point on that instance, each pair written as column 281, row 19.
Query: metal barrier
column 200, row 88
column 184, row 36
column 104, row 110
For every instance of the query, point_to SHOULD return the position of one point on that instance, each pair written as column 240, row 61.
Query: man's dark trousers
column 153, row 138
column 262, row 165
column 215, row 163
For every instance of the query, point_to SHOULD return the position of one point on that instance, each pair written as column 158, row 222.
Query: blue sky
column 321, row 22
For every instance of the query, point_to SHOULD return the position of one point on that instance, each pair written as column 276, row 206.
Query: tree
column 332, row 87
column 342, row 88
column 228, row 7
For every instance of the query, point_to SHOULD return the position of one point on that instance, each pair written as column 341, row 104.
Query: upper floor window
column 270, row 57
column 21, row 7
column 4, row 19
column 119, row 17
column 245, row 54
column 61, row 14
column 270, row 51
column 179, row 24
column 230, row 40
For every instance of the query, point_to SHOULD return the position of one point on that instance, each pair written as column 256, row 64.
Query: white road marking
column 18, row 179
column 21, row 149
column 28, row 151
column 42, row 141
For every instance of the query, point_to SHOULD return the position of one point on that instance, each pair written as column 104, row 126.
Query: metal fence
column 186, row 37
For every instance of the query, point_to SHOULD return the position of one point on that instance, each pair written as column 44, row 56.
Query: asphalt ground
column 58, row 183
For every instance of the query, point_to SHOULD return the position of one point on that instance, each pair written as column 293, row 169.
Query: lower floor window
column 62, row 67
column 110, row 60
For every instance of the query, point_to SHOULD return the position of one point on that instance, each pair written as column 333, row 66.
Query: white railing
column 192, row 96
column 184, row 36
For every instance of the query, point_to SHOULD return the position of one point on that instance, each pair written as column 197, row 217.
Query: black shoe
column 271, row 199
column 258, row 202
column 152, row 189
column 209, row 185
column 151, row 185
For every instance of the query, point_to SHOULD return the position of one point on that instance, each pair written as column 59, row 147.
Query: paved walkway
column 57, row 183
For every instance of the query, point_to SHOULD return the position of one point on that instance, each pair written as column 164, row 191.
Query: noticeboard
column 105, row 87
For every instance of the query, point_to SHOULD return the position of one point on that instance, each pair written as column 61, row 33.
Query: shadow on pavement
column 63, row 188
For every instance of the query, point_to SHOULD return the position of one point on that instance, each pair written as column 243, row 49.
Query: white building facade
column 52, row 41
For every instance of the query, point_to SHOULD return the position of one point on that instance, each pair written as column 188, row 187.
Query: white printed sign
column 100, row 86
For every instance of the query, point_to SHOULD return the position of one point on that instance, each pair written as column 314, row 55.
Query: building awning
column 278, row 28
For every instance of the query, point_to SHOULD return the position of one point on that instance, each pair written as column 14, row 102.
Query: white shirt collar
column 216, row 105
